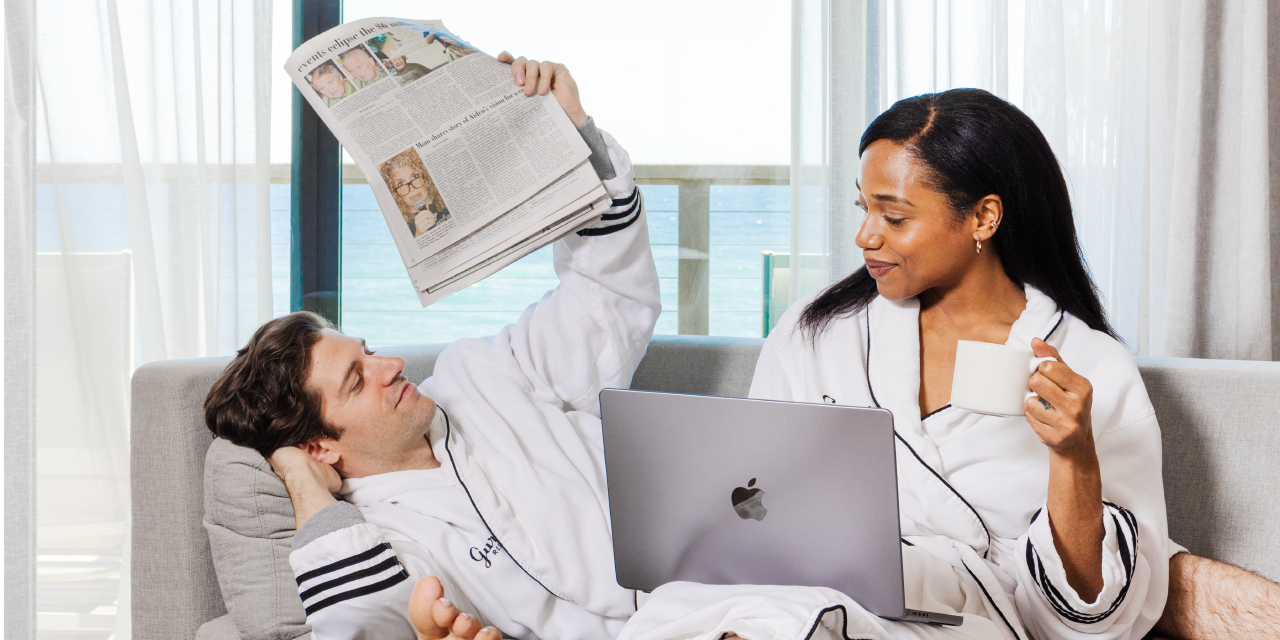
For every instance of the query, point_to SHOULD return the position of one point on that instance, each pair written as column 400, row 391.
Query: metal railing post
column 694, row 257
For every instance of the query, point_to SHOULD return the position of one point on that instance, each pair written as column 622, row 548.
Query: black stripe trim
column 1061, row 314
column 1123, row 548
column 1063, row 608
column 1055, row 597
column 622, row 202
column 448, row 427
column 936, row 411
column 989, row 599
column 622, row 214
column 948, row 484
column 869, row 388
column 350, row 577
column 844, row 623
column 906, row 542
column 362, row 591
column 604, row 231
column 913, row 451
column 346, row 562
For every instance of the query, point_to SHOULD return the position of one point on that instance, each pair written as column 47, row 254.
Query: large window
column 698, row 95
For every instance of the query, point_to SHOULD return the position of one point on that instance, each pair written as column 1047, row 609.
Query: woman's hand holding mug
column 1057, row 403
column 1065, row 425
column 1075, row 479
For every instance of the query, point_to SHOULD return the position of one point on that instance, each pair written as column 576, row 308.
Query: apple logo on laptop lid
column 746, row 502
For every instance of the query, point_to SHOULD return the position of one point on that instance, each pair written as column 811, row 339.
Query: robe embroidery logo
column 490, row 550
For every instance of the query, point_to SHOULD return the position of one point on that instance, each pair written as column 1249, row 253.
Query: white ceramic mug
column 992, row 378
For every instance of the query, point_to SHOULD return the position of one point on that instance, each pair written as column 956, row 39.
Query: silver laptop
column 737, row 491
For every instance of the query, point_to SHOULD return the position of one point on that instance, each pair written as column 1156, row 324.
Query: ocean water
column 378, row 302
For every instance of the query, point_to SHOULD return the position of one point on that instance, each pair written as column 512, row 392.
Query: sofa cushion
column 1221, row 438
column 705, row 365
column 250, row 523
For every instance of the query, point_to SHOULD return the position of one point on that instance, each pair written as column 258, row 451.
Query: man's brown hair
column 262, row 400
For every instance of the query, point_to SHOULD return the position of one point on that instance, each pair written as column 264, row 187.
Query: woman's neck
column 984, row 296
column 982, row 306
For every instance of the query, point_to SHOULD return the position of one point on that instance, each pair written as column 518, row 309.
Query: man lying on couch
column 521, row 540
column 491, row 477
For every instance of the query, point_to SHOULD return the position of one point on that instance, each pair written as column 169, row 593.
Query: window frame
column 315, row 238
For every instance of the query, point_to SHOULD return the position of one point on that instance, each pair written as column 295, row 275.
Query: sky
column 676, row 82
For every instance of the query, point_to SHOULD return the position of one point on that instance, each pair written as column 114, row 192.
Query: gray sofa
column 1220, row 422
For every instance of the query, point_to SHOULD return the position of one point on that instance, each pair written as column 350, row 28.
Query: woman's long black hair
column 974, row 144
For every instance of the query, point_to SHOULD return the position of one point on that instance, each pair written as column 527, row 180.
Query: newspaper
column 470, row 174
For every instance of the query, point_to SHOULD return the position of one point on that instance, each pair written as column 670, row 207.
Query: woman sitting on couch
column 969, row 236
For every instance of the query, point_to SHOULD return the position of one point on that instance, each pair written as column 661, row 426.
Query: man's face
column 382, row 416
column 329, row 85
column 361, row 65
column 412, row 183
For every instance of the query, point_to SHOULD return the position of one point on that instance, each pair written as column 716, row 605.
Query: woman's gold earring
column 979, row 246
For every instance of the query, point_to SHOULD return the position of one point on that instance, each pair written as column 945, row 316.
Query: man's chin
column 424, row 408
column 424, row 416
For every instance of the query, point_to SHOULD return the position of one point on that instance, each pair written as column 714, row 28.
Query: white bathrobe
column 515, row 521
column 972, row 492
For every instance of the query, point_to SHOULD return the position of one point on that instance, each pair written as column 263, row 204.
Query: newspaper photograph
column 467, row 170
column 416, row 195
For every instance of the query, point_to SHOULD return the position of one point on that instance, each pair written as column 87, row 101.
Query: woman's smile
column 878, row 268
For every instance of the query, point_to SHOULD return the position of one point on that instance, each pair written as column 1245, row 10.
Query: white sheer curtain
column 152, row 217
column 1160, row 112
column 19, row 322
column 832, row 93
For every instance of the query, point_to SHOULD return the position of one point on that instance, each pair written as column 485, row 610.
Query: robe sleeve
column 776, row 376
column 591, row 331
column 770, row 381
column 1134, row 555
column 351, row 582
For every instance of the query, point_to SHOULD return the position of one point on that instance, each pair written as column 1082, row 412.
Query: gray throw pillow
column 250, row 523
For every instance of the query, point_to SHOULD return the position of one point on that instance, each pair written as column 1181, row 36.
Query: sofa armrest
column 174, row 589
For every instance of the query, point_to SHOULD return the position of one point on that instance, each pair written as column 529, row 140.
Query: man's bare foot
column 435, row 618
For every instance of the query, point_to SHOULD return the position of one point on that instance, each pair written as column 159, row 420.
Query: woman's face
column 910, row 239
column 398, row 62
column 403, row 178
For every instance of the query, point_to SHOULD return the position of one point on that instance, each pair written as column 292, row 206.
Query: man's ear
column 324, row 451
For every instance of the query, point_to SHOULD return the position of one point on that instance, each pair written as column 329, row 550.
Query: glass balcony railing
column 708, row 224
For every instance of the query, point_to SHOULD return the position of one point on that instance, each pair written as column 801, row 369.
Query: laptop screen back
column 738, row 491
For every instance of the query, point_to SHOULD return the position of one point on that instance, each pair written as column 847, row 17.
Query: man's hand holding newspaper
column 548, row 76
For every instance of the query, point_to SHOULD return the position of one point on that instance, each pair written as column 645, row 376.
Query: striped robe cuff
column 345, row 564
column 1122, row 524
column 622, row 214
